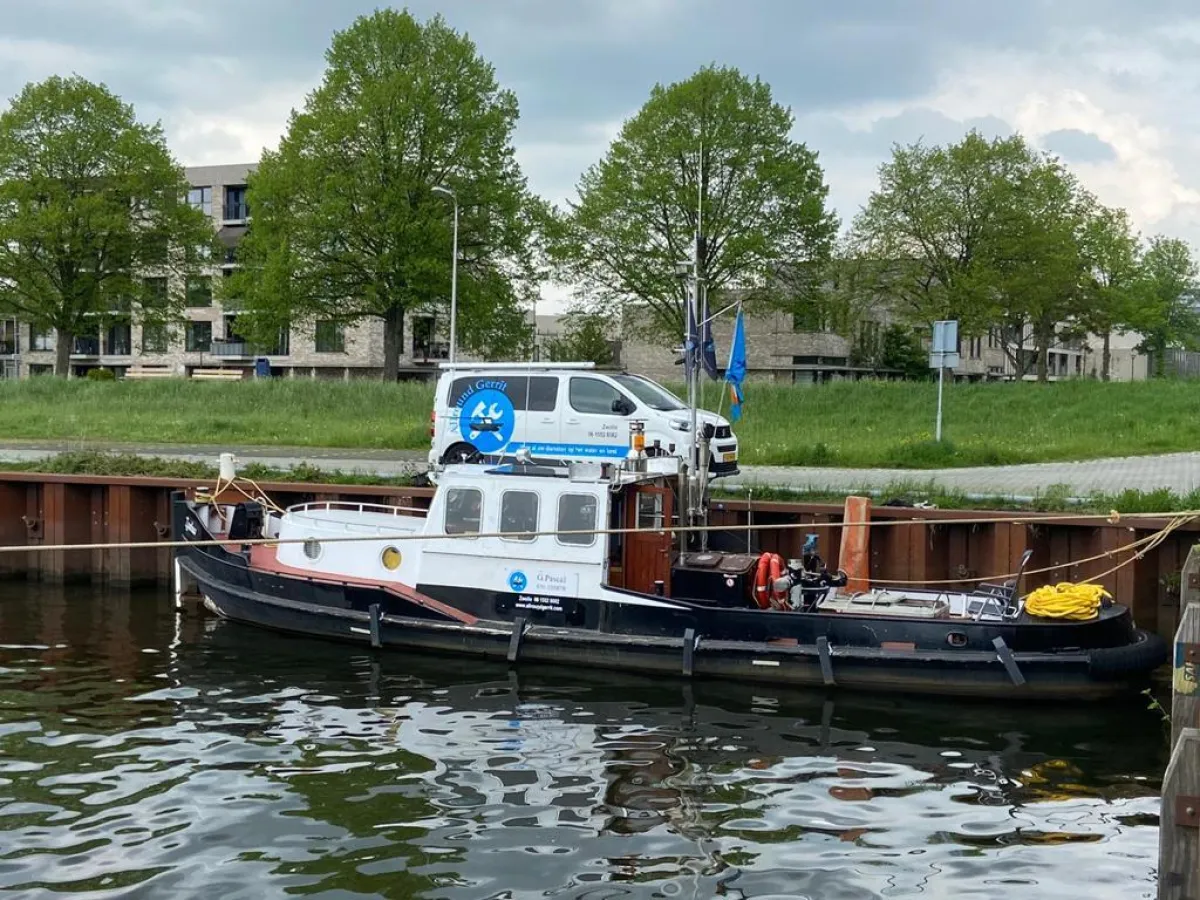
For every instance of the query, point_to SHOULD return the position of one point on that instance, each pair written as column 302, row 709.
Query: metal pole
column 454, row 288
column 442, row 189
column 941, row 379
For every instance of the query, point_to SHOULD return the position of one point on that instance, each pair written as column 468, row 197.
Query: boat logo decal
column 486, row 417
column 517, row 581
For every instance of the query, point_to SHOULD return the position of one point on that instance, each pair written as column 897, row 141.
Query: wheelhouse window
column 518, row 515
column 577, row 512
column 590, row 395
column 464, row 510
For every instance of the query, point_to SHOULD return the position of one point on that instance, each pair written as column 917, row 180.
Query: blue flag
column 735, row 372
column 708, row 348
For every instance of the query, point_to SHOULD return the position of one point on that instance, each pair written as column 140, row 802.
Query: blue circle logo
column 485, row 419
column 517, row 581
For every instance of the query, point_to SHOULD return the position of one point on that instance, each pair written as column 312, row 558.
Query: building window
column 199, row 290
column 464, row 510
column 201, row 198
column 154, row 293
column 155, row 338
column 198, row 337
column 330, row 338
column 577, row 512
column 41, row 339
column 425, row 342
column 236, row 208
column 119, row 340
column 518, row 515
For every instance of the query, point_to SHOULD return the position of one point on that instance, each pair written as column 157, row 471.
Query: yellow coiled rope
column 1066, row 600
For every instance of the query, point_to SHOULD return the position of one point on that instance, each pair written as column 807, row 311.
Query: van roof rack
column 516, row 366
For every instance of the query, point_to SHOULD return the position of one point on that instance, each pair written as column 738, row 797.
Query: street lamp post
column 442, row 189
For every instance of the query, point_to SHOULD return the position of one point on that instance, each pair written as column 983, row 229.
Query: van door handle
column 548, row 421
column 572, row 421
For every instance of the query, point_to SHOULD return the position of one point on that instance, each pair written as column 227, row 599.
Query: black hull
column 688, row 643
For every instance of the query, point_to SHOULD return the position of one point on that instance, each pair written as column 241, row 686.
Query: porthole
column 312, row 548
column 390, row 558
column 956, row 639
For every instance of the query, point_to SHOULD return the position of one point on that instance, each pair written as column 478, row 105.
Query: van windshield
column 653, row 395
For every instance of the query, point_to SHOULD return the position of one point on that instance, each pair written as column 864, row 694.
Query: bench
column 219, row 374
column 149, row 372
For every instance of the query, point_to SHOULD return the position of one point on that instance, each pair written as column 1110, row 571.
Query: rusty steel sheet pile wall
column 39, row 509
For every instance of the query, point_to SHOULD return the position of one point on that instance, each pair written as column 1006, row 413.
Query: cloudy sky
column 1110, row 85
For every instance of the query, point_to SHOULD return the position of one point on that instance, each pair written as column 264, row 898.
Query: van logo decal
column 486, row 419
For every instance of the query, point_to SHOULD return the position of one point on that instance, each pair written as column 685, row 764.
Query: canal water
column 146, row 752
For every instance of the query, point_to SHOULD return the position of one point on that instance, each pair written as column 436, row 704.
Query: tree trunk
column 393, row 338
column 1041, row 340
column 64, row 341
column 1106, row 358
column 1160, row 356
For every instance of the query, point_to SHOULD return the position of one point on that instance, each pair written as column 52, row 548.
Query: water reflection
column 172, row 755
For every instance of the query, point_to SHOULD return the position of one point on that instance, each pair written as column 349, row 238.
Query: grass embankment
column 850, row 424
column 119, row 464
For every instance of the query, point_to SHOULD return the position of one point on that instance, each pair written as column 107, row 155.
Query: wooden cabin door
column 648, row 552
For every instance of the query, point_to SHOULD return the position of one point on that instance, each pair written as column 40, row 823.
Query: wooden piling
column 1179, row 822
column 1185, row 656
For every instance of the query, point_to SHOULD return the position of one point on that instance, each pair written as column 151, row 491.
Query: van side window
column 590, row 395
column 464, row 510
column 518, row 513
column 536, row 393
column 577, row 512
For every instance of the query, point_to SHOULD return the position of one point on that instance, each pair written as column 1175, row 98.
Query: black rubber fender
column 1146, row 653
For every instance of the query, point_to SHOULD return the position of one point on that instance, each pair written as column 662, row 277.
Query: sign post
column 943, row 356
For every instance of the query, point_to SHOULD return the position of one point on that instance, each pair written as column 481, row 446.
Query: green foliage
column 90, row 200
column 101, row 375
column 718, row 139
column 986, row 232
column 584, row 339
column 1113, row 286
column 1167, row 315
column 903, row 351
column 346, row 224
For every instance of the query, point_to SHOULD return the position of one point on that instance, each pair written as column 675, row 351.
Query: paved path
column 1178, row 472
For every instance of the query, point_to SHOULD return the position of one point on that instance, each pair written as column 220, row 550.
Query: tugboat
column 598, row 565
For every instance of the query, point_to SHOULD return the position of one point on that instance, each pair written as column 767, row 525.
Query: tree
column 1036, row 254
column 346, row 224
column 1113, row 282
column 985, row 232
column 1166, row 315
column 715, row 146
column 90, row 202
column 928, row 226
column 584, row 339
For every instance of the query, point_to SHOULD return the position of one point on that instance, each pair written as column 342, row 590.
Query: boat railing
column 307, row 510
column 355, row 507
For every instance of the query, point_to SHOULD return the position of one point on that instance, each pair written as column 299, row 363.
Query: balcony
column 86, row 346
column 231, row 349
column 424, row 351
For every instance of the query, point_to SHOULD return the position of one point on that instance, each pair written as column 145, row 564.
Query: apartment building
column 209, row 337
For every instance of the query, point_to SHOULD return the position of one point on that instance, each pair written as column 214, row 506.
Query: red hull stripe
column 264, row 558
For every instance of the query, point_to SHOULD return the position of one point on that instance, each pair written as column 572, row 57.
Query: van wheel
column 461, row 452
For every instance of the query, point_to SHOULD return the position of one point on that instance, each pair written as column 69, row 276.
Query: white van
column 562, row 411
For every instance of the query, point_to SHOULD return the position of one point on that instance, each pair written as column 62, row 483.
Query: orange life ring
column 770, row 567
